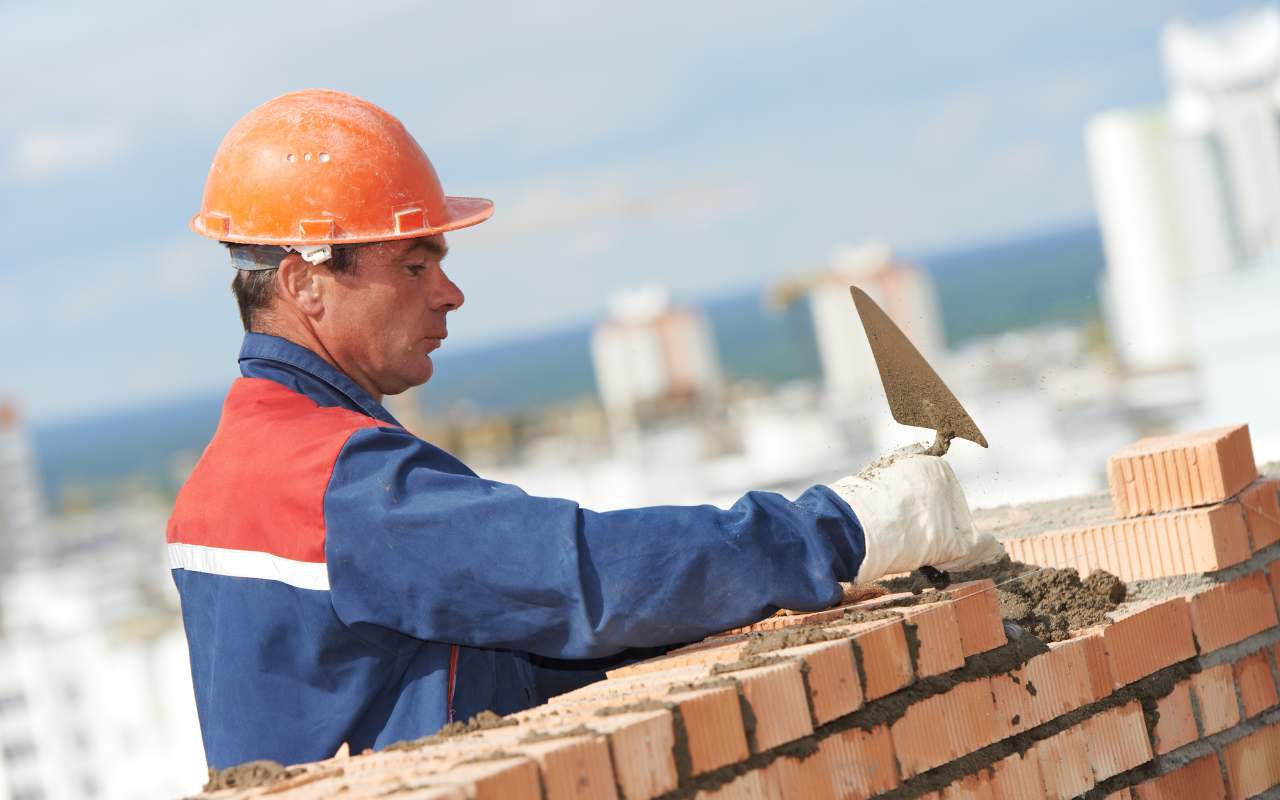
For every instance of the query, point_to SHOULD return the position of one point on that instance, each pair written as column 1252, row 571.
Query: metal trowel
column 916, row 395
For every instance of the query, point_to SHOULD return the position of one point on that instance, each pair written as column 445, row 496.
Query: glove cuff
column 878, row 555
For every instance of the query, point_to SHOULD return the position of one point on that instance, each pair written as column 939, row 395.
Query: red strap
column 453, row 677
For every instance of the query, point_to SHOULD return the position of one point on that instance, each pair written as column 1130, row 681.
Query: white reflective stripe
column 248, row 564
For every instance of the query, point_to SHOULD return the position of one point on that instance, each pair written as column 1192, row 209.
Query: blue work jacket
column 345, row 581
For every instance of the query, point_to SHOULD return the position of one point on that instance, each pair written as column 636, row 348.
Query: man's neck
column 304, row 336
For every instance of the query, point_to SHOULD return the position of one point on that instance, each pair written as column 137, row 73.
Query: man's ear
column 300, row 285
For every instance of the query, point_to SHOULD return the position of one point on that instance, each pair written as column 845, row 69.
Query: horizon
column 551, row 330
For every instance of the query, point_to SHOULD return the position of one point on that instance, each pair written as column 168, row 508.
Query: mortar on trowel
column 916, row 395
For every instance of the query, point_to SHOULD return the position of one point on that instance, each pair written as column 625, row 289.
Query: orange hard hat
column 322, row 167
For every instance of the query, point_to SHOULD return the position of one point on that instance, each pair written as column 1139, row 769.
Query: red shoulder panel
column 260, row 484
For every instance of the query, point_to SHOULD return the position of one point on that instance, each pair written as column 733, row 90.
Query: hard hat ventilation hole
column 306, row 157
column 324, row 158
column 291, row 158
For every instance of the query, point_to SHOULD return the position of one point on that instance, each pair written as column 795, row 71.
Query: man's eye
column 415, row 269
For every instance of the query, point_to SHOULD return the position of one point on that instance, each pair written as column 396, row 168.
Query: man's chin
column 424, row 372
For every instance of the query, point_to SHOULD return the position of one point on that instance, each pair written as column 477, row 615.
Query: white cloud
column 956, row 124
column 43, row 152
column 1021, row 162
column 157, row 274
column 619, row 197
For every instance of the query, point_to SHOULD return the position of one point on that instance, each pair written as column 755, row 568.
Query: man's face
column 382, row 320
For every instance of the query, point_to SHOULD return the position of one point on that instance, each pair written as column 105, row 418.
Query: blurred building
column 1132, row 165
column 904, row 292
column 22, row 511
column 653, row 359
column 1224, row 86
column 1192, row 191
column 95, row 684
column 1188, row 199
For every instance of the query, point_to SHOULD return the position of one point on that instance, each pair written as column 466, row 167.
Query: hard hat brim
column 459, row 212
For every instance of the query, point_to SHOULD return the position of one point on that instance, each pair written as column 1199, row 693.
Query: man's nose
column 446, row 294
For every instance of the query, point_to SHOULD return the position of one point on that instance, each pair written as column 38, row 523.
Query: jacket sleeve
column 416, row 547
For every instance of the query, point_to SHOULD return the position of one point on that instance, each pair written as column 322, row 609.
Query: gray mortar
column 248, row 775
column 480, row 722
column 495, row 755
column 1274, row 665
column 746, row 662
column 790, row 637
column 912, row 634
column 532, row 737
column 1030, row 519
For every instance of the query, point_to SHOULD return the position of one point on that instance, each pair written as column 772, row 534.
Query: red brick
column 713, row 726
column 750, row 786
column 1047, row 686
column 1101, row 681
column 789, row 621
column 1214, row 691
column 1256, row 683
column 777, row 698
column 937, row 629
column 1064, row 764
column 1175, row 543
column 1176, row 725
column 642, row 745
column 577, row 767
column 1148, row 638
column 1016, row 777
column 860, row 763
column 978, row 616
column 1253, row 762
column 630, row 687
column 441, row 793
column 1261, row 503
column 1116, row 740
column 514, row 778
column 701, row 653
column 1200, row 779
column 1233, row 611
column 794, row 777
column 971, row 787
column 886, row 661
column 832, row 678
column 944, row 727
column 1165, row 473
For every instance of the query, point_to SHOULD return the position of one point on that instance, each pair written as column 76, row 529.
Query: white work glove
column 914, row 514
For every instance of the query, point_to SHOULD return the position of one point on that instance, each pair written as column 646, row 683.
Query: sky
column 706, row 146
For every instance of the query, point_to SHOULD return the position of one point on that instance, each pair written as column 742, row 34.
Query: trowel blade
column 916, row 395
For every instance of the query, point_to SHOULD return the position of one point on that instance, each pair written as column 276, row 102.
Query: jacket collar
column 305, row 366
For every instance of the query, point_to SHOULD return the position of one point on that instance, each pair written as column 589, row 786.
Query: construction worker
column 343, row 581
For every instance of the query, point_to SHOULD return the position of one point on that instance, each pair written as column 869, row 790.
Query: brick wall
column 931, row 696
